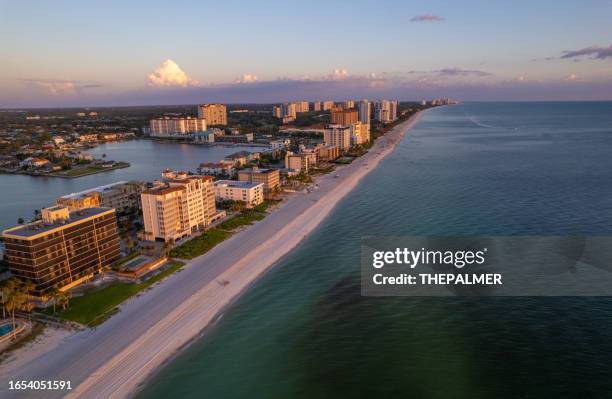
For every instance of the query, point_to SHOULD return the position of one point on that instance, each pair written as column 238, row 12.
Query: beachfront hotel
column 344, row 116
column 64, row 248
column 270, row 178
column 184, row 205
column 338, row 135
column 176, row 127
column 250, row 193
column 214, row 114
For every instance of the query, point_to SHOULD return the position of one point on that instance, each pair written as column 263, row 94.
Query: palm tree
column 63, row 299
column 55, row 295
column 15, row 298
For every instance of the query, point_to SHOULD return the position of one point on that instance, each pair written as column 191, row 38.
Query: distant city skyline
column 62, row 54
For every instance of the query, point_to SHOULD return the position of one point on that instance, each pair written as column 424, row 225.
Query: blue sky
column 67, row 53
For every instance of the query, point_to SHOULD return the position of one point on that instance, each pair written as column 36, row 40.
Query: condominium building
column 365, row 111
column 344, row 116
column 318, row 106
column 123, row 196
column 302, row 106
column 214, row 114
column 64, row 248
column 277, row 111
column 176, row 127
column 339, row 136
column 301, row 162
column 385, row 111
column 270, row 178
column 326, row 153
column 349, row 104
column 360, row 133
column 328, row 105
column 181, row 207
column 217, row 169
column 250, row 193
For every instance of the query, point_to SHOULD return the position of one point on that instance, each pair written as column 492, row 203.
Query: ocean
column 304, row 330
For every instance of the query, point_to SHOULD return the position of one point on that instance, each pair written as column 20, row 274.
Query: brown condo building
column 214, row 114
column 64, row 248
column 344, row 116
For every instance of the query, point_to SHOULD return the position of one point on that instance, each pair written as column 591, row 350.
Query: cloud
column 59, row 86
column 426, row 18
column 453, row 72
column 520, row 78
column 247, row 78
column 169, row 74
column 339, row 74
column 595, row 52
column 571, row 76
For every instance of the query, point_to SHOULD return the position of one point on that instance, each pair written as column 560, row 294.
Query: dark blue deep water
column 304, row 331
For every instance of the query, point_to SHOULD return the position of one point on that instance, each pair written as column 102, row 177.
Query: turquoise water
column 5, row 329
column 304, row 331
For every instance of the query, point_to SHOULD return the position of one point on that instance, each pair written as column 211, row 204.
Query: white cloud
column 169, row 74
column 247, row 78
column 339, row 74
column 62, row 87
column 571, row 76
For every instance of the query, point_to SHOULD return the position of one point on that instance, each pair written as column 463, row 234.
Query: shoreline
column 124, row 367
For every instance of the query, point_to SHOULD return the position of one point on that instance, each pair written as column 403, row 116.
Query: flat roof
column 91, row 190
column 39, row 227
column 162, row 190
column 237, row 183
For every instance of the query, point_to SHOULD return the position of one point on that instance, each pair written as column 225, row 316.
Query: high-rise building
column 289, row 109
column 277, row 111
column 338, row 135
column 344, row 116
column 64, row 248
column 360, row 133
column 183, row 206
column 348, row 104
column 317, row 106
column 215, row 114
column 386, row 110
column 302, row 106
column 168, row 127
column 365, row 111
column 328, row 105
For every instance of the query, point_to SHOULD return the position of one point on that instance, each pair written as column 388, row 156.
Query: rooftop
column 35, row 228
column 237, row 184
column 91, row 190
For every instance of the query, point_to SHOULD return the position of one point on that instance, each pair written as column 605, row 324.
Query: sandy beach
column 114, row 359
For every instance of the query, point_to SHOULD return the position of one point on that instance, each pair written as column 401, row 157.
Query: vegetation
column 210, row 238
column 95, row 307
column 14, row 296
column 89, row 170
column 200, row 245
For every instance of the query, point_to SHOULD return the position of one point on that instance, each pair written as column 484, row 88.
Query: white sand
column 115, row 359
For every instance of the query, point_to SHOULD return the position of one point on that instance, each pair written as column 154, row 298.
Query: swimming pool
column 5, row 329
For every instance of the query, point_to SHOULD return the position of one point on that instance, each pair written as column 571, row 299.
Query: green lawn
column 94, row 308
column 87, row 170
column 200, row 245
column 209, row 239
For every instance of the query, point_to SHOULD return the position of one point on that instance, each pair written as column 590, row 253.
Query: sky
column 105, row 53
